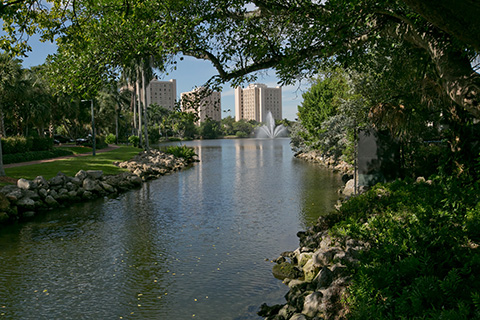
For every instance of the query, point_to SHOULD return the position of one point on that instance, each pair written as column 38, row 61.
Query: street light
column 93, row 126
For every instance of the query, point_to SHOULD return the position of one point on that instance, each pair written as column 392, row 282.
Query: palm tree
column 10, row 70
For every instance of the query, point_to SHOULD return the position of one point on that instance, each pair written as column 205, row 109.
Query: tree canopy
column 239, row 37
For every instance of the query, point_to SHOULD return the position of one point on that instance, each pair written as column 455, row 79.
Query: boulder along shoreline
column 317, row 271
column 29, row 197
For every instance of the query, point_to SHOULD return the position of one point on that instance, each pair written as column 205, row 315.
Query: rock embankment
column 28, row 197
column 317, row 275
column 329, row 162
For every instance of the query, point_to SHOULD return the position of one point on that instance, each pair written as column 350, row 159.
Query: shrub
column 35, row 155
column 241, row 134
column 182, row 152
column 13, row 145
column 420, row 263
column 134, row 140
column 41, row 144
column 110, row 138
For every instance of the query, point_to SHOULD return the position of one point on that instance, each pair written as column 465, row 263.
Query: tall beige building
column 206, row 103
column 163, row 93
column 254, row 102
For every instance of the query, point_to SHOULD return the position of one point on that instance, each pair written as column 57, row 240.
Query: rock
column 76, row 181
column 135, row 180
column 304, row 258
column 323, row 258
column 267, row 311
column 286, row 270
column 41, row 181
column 26, row 184
column 87, row 195
column 311, row 306
column 53, row 193
column 70, row 186
column 31, row 194
column 89, row 184
column 310, row 270
column 4, row 203
column 72, row 194
column 49, row 200
column 14, row 195
column 95, row 174
column 59, row 179
column 26, row 203
column 349, row 188
column 298, row 316
column 81, row 175
column 324, row 278
column 9, row 188
column 286, row 312
column 42, row 192
column 107, row 187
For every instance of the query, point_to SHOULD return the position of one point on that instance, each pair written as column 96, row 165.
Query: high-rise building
column 254, row 102
column 163, row 93
column 205, row 102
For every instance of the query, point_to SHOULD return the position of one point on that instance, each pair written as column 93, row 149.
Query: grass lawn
column 102, row 161
column 75, row 149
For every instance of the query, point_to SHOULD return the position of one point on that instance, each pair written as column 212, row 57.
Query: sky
column 191, row 73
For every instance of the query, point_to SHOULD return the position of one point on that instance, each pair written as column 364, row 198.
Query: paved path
column 27, row 163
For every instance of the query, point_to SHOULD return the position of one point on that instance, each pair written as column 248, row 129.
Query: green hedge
column 34, row 155
column 14, row 145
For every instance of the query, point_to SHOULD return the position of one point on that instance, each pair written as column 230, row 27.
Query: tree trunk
column 460, row 82
column 134, row 105
column 145, row 114
column 117, row 108
column 139, row 109
column 457, row 18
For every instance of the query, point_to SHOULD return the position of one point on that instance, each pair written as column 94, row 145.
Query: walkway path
column 27, row 163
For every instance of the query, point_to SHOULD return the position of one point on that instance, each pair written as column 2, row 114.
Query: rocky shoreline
column 29, row 197
column 317, row 271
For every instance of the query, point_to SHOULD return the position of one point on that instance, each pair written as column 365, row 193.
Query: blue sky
column 191, row 73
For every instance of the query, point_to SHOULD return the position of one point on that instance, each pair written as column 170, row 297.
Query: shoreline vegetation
column 106, row 174
column 404, row 249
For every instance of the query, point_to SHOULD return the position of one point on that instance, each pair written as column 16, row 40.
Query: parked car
column 57, row 139
column 82, row 141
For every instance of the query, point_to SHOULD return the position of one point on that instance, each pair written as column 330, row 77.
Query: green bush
column 134, row 140
column 110, row 138
column 12, row 145
column 421, row 263
column 241, row 134
column 41, row 144
column 35, row 155
column 182, row 152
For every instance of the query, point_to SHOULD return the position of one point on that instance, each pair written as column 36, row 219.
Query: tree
column 322, row 101
column 242, row 37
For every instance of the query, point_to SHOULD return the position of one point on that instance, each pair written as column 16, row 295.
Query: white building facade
column 206, row 103
column 254, row 102
column 163, row 93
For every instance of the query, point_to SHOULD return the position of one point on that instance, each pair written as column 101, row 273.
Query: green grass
column 102, row 161
column 76, row 149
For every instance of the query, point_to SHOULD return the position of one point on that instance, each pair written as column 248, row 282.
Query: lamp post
column 93, row 126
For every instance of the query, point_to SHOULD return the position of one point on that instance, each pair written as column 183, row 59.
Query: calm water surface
column 190, row 245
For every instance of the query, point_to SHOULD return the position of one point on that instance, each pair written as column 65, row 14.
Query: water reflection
column 190, row 243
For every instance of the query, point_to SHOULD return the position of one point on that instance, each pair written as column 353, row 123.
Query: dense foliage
column 13, row 145
column 35, row 155
column 183, row 151
column 423, row 260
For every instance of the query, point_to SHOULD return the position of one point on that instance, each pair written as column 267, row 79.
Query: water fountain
column 269, row 130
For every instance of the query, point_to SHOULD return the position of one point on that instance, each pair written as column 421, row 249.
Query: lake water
column 190, row 245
